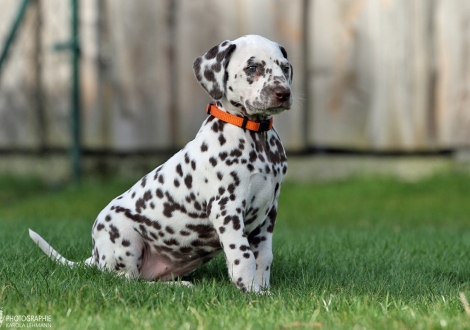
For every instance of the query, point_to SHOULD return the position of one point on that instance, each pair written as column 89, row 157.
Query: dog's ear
column 210, row 69
column 291, row 75
column 284, row 53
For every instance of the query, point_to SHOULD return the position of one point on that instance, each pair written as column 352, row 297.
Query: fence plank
column 139, row 74
column 452, row 49
column 369, row 74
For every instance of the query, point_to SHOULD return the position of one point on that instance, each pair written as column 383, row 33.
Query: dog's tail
column 51, row 253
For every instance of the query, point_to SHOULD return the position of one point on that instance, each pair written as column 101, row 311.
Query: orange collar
column 243, row 122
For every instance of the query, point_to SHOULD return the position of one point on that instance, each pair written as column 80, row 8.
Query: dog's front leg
column 240, row 259
column 260, row 241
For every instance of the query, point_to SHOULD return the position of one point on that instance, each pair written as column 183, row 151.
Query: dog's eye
column 252, row 68
column 286, row 68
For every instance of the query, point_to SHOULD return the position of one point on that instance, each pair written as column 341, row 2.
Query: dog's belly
column 157, row 265
column 172, row 256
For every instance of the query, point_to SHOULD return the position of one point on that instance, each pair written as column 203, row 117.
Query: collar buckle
column 265, row 125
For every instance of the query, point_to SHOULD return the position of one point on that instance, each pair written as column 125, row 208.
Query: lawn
column 364, row 253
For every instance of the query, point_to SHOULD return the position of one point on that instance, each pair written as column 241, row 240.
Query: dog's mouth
column 275, row 110
column 280, row 108
column 267, row 111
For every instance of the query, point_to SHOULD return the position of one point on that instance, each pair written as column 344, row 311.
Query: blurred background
column 106, row 86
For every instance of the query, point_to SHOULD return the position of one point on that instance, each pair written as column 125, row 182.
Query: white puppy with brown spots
column 220, row 192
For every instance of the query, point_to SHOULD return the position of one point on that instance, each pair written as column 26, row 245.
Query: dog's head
column 250, row 76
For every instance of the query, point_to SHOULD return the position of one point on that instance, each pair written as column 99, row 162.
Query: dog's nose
column 282, row 93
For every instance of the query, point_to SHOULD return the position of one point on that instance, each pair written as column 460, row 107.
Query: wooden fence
column 376, row 75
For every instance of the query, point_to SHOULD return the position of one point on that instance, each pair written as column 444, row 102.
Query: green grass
column 365, row 253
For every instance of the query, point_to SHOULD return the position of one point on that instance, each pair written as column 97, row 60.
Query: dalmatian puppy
column 220, row 192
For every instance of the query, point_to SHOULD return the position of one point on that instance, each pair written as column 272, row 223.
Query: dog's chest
column 223, row 162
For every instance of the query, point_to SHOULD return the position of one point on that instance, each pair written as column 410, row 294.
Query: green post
column 75, row 97
column 14, row 28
